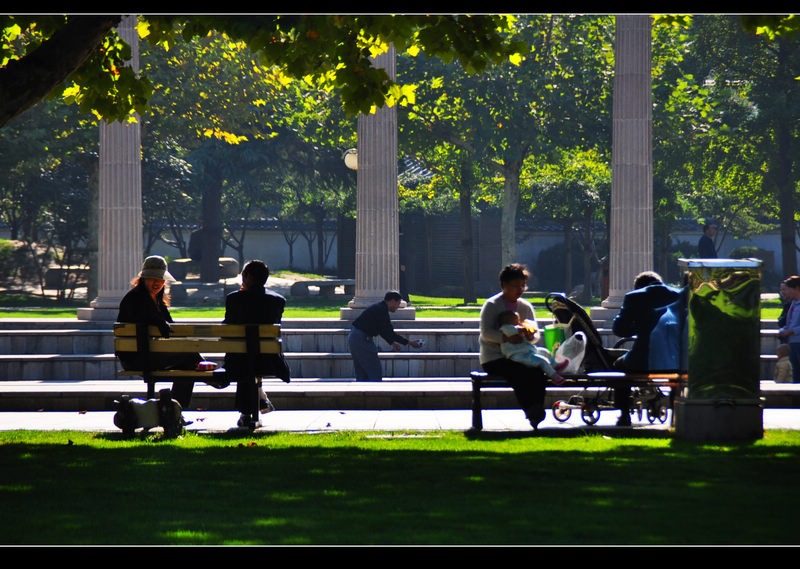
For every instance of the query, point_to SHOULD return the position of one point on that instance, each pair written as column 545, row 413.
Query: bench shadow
column 612, row 432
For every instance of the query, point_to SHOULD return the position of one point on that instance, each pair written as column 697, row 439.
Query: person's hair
column 392, row 295
column 782, row 350
column 507, row 317
column 258, row 270
column 512, row 272
column 646, row 278
column 162, row 297
column 708, row 226
column 792, row 282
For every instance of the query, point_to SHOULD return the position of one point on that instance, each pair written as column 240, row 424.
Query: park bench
column 601, row 379
column 206, row 339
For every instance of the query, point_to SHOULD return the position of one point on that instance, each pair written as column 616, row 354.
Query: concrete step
column 309, row 393
column 301, row 364
column 308, row 335
column 47, row 349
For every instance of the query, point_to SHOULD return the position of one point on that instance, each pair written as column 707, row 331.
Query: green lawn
column 401, row 488
column 314, row 307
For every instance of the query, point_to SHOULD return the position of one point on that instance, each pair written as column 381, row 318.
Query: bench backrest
column 215, row 338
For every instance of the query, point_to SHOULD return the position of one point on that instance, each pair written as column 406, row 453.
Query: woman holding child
column 528, row 382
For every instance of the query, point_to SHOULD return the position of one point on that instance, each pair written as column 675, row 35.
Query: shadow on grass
column 253, row 491
column 571, row 433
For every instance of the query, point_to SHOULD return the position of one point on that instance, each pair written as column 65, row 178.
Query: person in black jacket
column 640, row 311
column 375, row 321
column 705, row 246
column 253, row 304
column 147, row 303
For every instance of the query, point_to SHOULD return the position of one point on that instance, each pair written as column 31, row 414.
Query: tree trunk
column 567, row 257
column 781, row 174
column 508, row 235
column 465, row 208
column 587, row 257
column 212, row 228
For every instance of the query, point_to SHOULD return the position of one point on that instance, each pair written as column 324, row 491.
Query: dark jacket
column 705, row 248
column 639, row 314
column 375, row 321
column 137, row 307
column 255, row 306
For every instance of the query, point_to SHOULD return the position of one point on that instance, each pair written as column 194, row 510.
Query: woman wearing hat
column 147, row 303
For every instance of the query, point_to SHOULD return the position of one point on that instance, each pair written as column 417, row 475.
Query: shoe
column 561, row 365
column 264, row 404
column 624, row 421
column 247, row 421
column 557, row 379
column 535, row 416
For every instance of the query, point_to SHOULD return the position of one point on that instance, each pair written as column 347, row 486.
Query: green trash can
column 723, row 351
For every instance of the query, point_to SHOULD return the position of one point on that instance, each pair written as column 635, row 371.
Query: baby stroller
column 598, row 358
column 569, row 312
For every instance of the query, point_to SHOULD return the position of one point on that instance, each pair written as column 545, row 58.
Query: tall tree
column 761, row 72
column 557, row 94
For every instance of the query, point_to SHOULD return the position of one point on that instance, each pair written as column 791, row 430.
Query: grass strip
column 396, row 488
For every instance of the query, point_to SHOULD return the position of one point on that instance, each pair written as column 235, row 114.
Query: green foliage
column 7, row 249
column 337, row 49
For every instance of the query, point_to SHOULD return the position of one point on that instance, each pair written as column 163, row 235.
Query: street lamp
column 351, row 159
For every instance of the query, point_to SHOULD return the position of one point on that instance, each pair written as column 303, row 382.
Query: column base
column 709, row 420
column 603, row 314
column 99, row 314
column 101, row 310
column 353, row 312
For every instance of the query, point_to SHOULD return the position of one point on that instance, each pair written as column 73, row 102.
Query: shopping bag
column 572, row 349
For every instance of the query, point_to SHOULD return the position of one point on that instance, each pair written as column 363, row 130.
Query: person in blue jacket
column 790, row 331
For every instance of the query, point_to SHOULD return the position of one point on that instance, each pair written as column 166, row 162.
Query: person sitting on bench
column 641, row 309
column 147, row 303
column 529, row 383
column 253, row 304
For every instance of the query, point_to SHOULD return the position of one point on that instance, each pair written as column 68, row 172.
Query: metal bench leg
column 477, row 412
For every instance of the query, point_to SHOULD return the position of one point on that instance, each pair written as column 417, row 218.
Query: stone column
column 119, row 257
column 631, row 225
column 377, row 225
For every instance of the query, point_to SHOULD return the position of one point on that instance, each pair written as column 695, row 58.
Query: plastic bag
column 572, row 349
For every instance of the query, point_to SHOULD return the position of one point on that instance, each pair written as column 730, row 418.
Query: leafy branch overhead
column 81, row 58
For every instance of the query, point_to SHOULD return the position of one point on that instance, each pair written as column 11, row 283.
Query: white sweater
column 491, row 337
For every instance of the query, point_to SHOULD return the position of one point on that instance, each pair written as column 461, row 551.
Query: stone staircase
column 64, row 358
column 314, row 348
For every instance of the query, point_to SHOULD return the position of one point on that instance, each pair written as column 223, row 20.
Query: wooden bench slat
column 172, row 344
column 201, row 330
column 176, row 374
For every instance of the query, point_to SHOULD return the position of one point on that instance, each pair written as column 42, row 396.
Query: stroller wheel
column 590, row 415
column 560, row 412
column 659, row 413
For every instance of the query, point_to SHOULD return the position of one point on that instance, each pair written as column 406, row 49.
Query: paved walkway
column 321, row 421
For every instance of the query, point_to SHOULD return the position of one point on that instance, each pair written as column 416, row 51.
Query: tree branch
column 26, row 81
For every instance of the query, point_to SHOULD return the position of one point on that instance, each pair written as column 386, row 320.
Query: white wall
column 268, row 246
